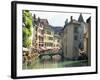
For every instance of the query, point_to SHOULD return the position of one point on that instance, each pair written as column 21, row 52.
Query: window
column 76, row 30
column 75, row 37
column 50, row 38
column 48, row 32
column 40, row 38
column 48, row 44
column 58, row 40
column 41, row 45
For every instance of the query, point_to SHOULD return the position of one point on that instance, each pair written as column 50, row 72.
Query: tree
column 27, row 25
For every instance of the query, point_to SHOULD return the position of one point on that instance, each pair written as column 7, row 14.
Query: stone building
column 87, row 40
column 48, row 37
column 38, row 33
column 43, row 34
column 73, row 40
column 82, row 30
column 57, row 41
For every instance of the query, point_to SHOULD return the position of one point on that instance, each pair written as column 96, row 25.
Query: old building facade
column 44, row 37
column 48, row 37
column 73, row 37
column 57, row 41
column 87, row 41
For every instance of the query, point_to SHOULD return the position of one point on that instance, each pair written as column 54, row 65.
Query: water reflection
column 49, row 59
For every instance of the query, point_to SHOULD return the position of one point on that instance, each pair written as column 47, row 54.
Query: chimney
column 71, row 18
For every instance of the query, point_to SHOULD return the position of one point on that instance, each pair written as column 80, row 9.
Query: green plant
column 26, row 28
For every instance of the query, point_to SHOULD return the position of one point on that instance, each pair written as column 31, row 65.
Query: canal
column 50, row 59
column 38, row 64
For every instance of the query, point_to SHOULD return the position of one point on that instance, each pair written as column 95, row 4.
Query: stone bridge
column 51, row 54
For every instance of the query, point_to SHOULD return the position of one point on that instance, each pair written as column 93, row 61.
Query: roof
column 44, row 21
column 88, row 20
column 39, row 20
column 75, row 22
column 72, row 22
column 80, row 19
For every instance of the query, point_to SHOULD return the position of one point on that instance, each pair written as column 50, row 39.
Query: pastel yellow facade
column 48, row 38
column 57, row 41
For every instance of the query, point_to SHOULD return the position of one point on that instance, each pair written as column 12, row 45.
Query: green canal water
column 39, row 64
column 47, row 64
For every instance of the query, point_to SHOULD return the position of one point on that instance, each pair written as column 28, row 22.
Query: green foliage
column 26, row 32
column 26, row 42
column 27, row 18
column 27, row 25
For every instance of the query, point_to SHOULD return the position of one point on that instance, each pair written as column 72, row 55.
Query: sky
column 57, row 18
